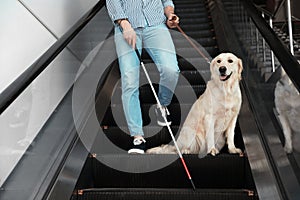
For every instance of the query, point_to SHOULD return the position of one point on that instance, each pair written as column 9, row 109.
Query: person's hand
column 128, row 33
column 172, row 21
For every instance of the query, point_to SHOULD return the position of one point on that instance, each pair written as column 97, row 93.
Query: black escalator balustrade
column 224, row 176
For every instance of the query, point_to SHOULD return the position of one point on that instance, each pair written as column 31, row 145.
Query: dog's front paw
column 185, row 151
column 213, row 151
column 235, row 151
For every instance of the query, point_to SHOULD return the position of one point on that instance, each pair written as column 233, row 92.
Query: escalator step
column 185, row 10
column 198, row 18
column 196, row 63
column 205, row 42
column 194, row 78
column 191, row 9
column 147, row 97
column 192, row 15
column 195, row 28
column 191, row 62
column 155, row 136
column 187, row 2
column 202, row 26
column 178, row 113
column 196, row 36
column 221, row 171
column 181, row 91
column 167, row 194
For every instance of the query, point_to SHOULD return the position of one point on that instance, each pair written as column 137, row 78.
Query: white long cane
column 165, row 119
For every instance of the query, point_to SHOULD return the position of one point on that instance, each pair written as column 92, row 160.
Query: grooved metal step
column 181, row 92
column 178, row 114
column 206, row 172
column 167, row 194
column 154, row 134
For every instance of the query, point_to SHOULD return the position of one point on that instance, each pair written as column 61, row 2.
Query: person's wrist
column 122, row 21
column 119, row 21
column 125, row 25
column 169, row 14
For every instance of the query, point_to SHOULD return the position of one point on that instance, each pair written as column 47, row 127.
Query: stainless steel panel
column 92, row 35
column 265, row 181
column 21, row 122
column 59, row 16
column 23, row 39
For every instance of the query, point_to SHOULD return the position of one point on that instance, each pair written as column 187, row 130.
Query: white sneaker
column 160, row 116
column 138, row 146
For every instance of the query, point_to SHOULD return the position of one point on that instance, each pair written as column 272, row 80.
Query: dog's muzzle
column 223, row 75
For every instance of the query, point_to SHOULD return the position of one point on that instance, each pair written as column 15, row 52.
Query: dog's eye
column 230, row 61
column 218, row 61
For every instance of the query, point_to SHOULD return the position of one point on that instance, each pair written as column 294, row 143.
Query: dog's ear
column 212, row 63
column 240, row 68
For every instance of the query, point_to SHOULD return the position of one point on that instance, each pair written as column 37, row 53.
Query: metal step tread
column 205, row 171
column 154, row 134
column 168, row 193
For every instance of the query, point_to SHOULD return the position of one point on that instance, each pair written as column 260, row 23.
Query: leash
column 190, row 41
column 197, row 49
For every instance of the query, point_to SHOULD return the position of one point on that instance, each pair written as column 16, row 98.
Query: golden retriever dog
column 287, row 104
column 212, row 118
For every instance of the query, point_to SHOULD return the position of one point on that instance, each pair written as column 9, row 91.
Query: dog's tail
column 163, row 149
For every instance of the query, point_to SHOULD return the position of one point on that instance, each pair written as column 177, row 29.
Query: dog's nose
column 222, row 69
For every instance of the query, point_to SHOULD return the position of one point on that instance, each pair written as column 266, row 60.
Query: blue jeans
column 157, row 41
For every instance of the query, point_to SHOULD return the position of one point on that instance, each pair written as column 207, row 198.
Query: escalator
column 224, row 176
column 62, row 164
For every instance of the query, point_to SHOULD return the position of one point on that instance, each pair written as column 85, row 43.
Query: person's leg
column 130, row 70
column 159, row 44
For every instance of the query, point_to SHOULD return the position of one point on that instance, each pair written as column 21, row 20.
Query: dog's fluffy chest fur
column 224, row 101
column 225, row 109
column 215, row 102
column 213, row 116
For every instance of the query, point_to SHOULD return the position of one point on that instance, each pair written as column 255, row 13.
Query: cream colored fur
column 287, row 104
column 212, row 118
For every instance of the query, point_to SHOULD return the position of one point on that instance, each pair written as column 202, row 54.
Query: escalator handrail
column 264, row 11
column 284, row 56
column 278, row 8
column 11, row 93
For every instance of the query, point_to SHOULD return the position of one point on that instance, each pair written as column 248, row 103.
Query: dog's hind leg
column 194, row 147
column 163, row 149
column 287, row 133
column 201, row 144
